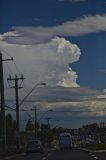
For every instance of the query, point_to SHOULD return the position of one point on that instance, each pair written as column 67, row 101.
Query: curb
column 95, row 151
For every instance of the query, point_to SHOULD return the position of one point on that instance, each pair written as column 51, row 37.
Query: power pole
column 3, row 127
column 48, row 123
column 16, row 79
column 49, row 129
column 35, row 123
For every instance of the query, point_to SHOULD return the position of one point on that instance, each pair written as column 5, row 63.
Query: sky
column 61, row 43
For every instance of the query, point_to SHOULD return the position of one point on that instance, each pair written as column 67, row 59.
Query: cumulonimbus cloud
column 48, row 62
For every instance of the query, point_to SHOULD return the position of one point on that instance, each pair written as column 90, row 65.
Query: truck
column 65, row 141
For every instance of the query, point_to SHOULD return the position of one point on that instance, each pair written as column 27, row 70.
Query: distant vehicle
column 34, row 146
column 65, row 141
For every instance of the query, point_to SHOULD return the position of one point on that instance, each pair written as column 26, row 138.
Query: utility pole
column 16, row 79
column 49, row 130
column 48, row 123
column 35, row 123
column 3, row 121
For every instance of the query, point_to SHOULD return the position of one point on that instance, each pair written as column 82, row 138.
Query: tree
column 92, row 128
column 46, row 133
column 29, row 126
column 30, row 130
column 10, row 130
column 44, row 127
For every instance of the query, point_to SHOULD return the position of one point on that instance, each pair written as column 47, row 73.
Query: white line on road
column 96, row 157
column 91, row 154
column 44, row 158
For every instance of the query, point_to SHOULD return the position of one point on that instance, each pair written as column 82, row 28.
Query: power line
column 30, row 92
column 4, row 51
column 10, row 108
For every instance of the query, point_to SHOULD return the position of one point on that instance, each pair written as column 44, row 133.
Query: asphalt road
column 61, row 155
column 71, row 155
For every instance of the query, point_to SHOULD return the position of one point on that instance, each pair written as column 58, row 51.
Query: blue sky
column 55, row 12
column 59, row 41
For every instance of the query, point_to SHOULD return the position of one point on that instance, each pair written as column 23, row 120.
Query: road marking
column 91, row 154
column 96, row 157
column 44, row 158
column 10, row 157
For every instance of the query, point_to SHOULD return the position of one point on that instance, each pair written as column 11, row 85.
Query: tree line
column 44, row 132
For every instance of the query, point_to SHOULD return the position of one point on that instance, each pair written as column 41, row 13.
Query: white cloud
column 67, row 77
column 88, row 108
column 46, row 62
column 79, row 27
column 73, row 99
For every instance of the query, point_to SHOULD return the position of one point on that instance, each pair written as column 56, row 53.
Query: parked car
column 34, row 146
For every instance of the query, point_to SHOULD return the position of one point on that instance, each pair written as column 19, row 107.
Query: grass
column 96, row 146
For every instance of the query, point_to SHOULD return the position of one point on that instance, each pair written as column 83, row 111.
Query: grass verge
column 96, row 146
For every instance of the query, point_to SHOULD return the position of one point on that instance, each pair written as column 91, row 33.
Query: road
column 61, row 155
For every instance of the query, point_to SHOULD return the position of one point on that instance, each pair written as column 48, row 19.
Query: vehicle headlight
column 38, row 147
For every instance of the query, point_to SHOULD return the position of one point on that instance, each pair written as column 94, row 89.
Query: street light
column 43, row 84
column 38, row 84
column 18, row 110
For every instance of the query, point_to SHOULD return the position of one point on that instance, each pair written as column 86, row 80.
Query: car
column 34, row 146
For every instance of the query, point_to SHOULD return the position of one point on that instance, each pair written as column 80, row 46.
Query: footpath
column 10, row 157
